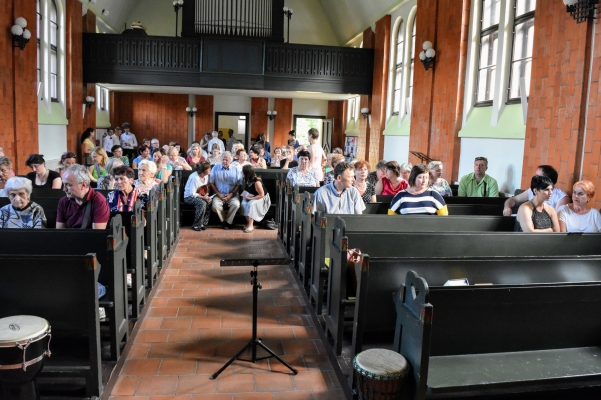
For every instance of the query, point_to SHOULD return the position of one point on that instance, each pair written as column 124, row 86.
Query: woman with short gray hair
column 21, row 213
column 6, row 172
column 437, row 182
column 107, row 182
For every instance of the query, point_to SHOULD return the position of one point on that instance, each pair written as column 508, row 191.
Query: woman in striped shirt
column 418, row 198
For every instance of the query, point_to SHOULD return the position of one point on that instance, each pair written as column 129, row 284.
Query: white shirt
column 107, row 143
column 557, row 195
column 128, row 140
column 219, row 142
column 194, row 183
column 589, row 222
column 238, row 165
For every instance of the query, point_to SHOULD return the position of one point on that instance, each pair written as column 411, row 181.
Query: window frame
column 483, row 33
column 516, row 21
column 398, row 67
column 53, row 50
column 411, row 67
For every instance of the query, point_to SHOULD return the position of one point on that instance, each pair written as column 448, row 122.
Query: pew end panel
column 318, row 246
column 303, row 257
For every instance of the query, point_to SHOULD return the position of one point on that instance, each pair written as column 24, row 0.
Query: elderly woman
column 21, row 212
column 124, row 197
column 146, row 177
column 535, row 215
column 255, row 158
column 392, row 183
column 6, row 172
column 67, row 159
column 366, row 189
column 164, row 169
column 255, row 199
column 40, row 175
column 436, row 181
column 303, row 175
column 100, row 158
column 196, row 193
column 335, row 159
column 107, row 182
column 579, row 216
column 418, row 198
column 194, row 155
column 406, row 170
column 177, row 163
column 143, row 154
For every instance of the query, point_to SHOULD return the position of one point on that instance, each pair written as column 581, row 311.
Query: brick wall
column 74, row 75
column 151, row 115
column 363, row 141
column 336, row 110
column 282, row 124
column 204, row 116
column 258, row 116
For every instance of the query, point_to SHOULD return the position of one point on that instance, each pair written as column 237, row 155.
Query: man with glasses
column 477, row 183
column 154, row 145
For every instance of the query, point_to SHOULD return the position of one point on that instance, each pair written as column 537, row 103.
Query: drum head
column 380, row 363
column 20, row 328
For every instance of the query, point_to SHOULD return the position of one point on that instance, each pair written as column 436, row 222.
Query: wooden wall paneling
column 282, row 124
column 379, row 89
column 204, row 116
column 7, row 105
column 336, row 111
column 369, row 39
column 258, row 116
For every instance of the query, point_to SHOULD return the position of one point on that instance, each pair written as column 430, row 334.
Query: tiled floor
column 200, row 316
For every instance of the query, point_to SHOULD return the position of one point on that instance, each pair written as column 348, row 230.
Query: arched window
column 398, row 74
column 54, row 34
column 39, row 39
column 412, row 63
column 489, row 40
column 521, row 55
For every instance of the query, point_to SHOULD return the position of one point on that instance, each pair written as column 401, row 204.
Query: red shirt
column 388, row 190
column 71, row 214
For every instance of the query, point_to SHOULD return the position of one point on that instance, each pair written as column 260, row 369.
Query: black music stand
column 254, row 341
column 421, row 156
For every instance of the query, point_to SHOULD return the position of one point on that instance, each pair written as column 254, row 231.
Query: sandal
column 248, row 230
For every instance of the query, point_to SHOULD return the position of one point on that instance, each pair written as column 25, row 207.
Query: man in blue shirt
column 225, row 182
column 340, row 196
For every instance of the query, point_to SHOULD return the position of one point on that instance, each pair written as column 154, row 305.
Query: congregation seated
column 365, row 188
column 67, row 159
column 6, row 172
column 418, row 198
column 437, row 182
column 579, row 216
column 535, row 215
column 41, row 177
column 241, row 159
column 277, row 157
column 107, row 182
column 303, row 175
column 83, row 207
column 215, row 157
column 335, row 159
column 288, row 158
column 194, row 155
column 225, row 182
column 164, row 169
column 177, row 162
column 124, row 197
column 117, row 151
column 477, row 183
column 99, row 160
column 143, row 154
column 197, row 193
column 146, row 181
column 380, row 172
column 558, row 197
column 392, row 182
column 256, row 201
column 255, row 159
column 340, row 196
column 21, row 212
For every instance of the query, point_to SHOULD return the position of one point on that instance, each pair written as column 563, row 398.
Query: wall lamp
column 271, row 114
column 89, row 101
column 581, row 10
column 365, row 112
column 428, row 55
column 177, row 4
column 21, row 35
column 191, row 111
column 288, row 14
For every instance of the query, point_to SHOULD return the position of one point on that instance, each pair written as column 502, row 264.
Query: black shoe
column 226, row 226
column 197, row 228
column 203, row 228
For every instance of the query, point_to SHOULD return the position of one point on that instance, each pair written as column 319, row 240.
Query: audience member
column 108, row 141
column 340, row 196
column 437, row 182
column 154, row 145
column 256, row 201
column 146, row 142
column 392, row 183
column 263, row 142
column 197, row 194
column 579, row 216
column 231, row 141
column 177, row 163
column 277, row 158
column 204, row 142
column 338, row 150
column 335, row 159
column 124, row 197
column 477, row 183
column 366, row 189
column 67, row 159
column 535, row 215
column 215, row 140
column 406, row 170
column 255, row 158
column 263, row 154
column 143, row 154
column 237, row 146
column 220, row 136
column 242, row 159
column 98, row 169
column 88, row 142
column 21, row 212
column 289, row 155
column 558, row 197
column 83, row 207
column 1, row 152
column 317, row 155
column 215, row 157
column 41, row 176
column 118, row 153
column 380, row 172
column 194, row 155
column 292, row 137
column 303, row 175
column 225, row 182
column 107, row 182
column 146, row 181
column 418, row 198
column 6, row 172
column 128, row 142
column 163, row 167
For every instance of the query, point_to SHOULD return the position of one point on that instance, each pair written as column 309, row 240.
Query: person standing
column 477, row 183
column 128, row 142
column 230, row 141
column 216, row 139
column 318, row 157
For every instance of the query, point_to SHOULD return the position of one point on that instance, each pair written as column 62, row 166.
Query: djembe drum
column 380, row 374
column 24, row 342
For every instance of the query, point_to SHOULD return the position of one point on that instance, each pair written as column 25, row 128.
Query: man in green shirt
column 478, row 184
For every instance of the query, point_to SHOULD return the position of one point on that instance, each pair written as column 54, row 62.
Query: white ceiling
column 228, row 92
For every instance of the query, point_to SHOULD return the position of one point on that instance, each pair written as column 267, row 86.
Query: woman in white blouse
column 197, row 193
column 303, row 175
column 579, row 216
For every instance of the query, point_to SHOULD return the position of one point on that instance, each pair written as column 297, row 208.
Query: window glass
column 490, row 13
column 524, row 6
column 398, row 74
column 523, row 38
column 53, row 23
column 489, row 40
column 412, row 51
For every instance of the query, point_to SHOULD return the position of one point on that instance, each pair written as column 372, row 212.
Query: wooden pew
column 62, row 290
column 501, row 339
column 454, row 209
column 493, row 201
column 155, row 234
column 170, row 213
column 437, row 244
column 133, row 223
column 303, row 257
column 177, row 193
column 378, row 277
column 161, row 250
column 295, row 220
column 323, row 228
column 37, row 193
column 110, row 247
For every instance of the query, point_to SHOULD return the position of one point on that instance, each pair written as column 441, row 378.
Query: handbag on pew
column 203, row 190
column 270, row 224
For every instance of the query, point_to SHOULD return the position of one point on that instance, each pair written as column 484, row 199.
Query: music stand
column 254, row 341
column 421, row 156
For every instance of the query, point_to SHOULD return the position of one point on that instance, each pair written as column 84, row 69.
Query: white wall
column 231, row 104
column 505, row 157
column 396, row 148
column 158, row 16
column 309, row 24
column 310, row 107
column 52, row 143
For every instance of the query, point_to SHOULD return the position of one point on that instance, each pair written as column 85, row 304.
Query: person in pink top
column 318, row 157
column 393, row 182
